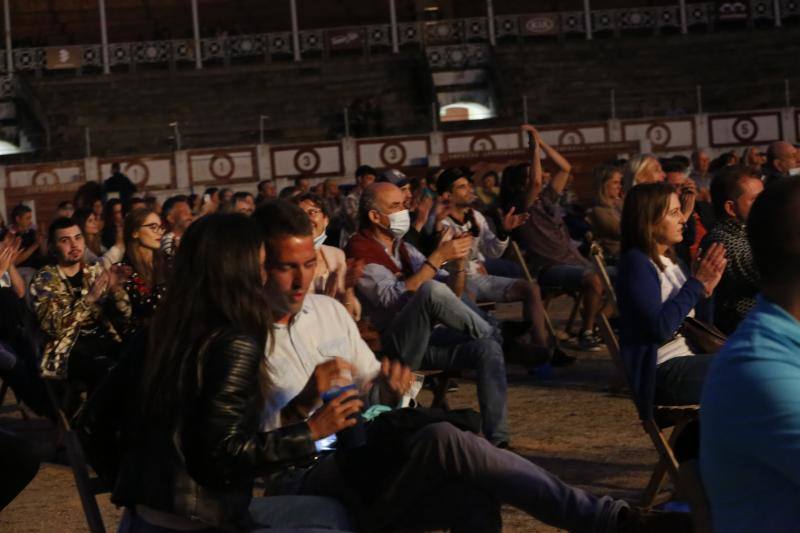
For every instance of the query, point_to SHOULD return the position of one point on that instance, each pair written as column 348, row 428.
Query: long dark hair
column 645, row 206
column 216, row 284
column 514, row 186
column 154, row 273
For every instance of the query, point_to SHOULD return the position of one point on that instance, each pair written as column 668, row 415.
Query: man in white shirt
column 436, row 476
column 455, row 188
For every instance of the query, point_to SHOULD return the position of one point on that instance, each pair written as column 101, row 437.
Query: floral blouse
column 143, row 299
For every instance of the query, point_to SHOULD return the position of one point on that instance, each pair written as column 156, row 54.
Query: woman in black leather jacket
column 191, row 446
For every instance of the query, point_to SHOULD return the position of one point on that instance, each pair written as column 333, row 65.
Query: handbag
column 702, row 338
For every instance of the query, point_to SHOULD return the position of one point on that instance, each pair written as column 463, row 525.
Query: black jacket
column 203, row 467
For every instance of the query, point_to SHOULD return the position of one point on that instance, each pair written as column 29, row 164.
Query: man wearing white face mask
column 331, row 276
column 401, row 294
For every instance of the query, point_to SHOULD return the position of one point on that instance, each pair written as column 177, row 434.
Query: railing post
column 684, row 24
column 295, row 31
column 587, row 19
column 393, row 28
column 490, row 22
column 7, row 23
column 198, row 54
column 101, row 5
column 776, row 10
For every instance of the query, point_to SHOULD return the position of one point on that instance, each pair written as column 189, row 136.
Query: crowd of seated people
column 218, row 337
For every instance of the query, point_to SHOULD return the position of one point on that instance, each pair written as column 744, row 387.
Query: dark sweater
column 646, row 323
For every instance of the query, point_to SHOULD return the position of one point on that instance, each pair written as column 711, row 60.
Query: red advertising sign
column 539, row 24
column 346, row 39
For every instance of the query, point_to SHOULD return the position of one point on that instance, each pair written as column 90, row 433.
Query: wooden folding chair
column 11, row 407
column 88, row 485
column 547, row 298
column 677, row 416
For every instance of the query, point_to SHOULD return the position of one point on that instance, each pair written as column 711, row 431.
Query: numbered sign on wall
column 574, row 136
column 324, row 159
column 663, row 135
column 484, row 141
column 745, row 129
column 396, row 152
column 222, row 166
column 147, row 172
column 45, row 175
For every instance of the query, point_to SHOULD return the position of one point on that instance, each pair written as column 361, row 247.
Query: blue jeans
column 273, row 514
column 463, row 340
column 457, row 480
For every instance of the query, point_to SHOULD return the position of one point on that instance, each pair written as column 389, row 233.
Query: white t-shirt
column 323, row 329
column 672, row 279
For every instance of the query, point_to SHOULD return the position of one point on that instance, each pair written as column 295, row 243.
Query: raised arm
column 535, row 167
column 564, row 167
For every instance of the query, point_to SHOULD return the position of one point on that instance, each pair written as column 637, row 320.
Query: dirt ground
column 566, row 422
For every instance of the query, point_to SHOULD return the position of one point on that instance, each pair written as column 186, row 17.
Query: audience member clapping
column 88, row 223
column 402, row 296
column 656, row 295
column 75, row 304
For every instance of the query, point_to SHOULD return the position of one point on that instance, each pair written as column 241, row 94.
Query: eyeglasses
column 155, row 227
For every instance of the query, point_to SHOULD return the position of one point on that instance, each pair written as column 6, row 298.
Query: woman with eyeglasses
column 331, row 276
column 147, row 281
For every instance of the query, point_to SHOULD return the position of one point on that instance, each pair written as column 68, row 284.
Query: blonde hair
column 632, row 175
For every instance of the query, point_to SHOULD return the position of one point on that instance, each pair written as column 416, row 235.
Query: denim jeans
column 454, row 479
column 463, row 340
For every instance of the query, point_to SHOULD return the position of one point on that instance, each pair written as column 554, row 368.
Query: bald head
column 378, row 199
column 782, row 156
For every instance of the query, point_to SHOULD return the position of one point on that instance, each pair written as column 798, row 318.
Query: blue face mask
column 319, row 239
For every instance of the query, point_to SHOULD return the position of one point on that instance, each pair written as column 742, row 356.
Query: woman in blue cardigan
column 655, row 296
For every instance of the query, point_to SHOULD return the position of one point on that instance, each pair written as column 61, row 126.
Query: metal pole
column 9, row 52
column 198, row 55
column 434, row 116
column 524, row 108
column 699, row 100
column 613, row 104
column 295, row 31
column 393, row 22
column 787, row 93
column 261, row 128
column 490, row 22
column 776, row 10
column 587, row 18
column 684, row 25
column 101, row 4
column 88, row 138
column 346, row 123
column 177, row 131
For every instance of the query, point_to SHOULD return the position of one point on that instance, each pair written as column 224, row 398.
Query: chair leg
column 77, row 463
column 83, row 482
column 655, row 484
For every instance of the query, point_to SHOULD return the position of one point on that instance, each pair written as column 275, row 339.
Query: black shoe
column 561, row 360
column 638, row 520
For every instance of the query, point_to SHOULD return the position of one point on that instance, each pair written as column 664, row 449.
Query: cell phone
column 206, row 198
